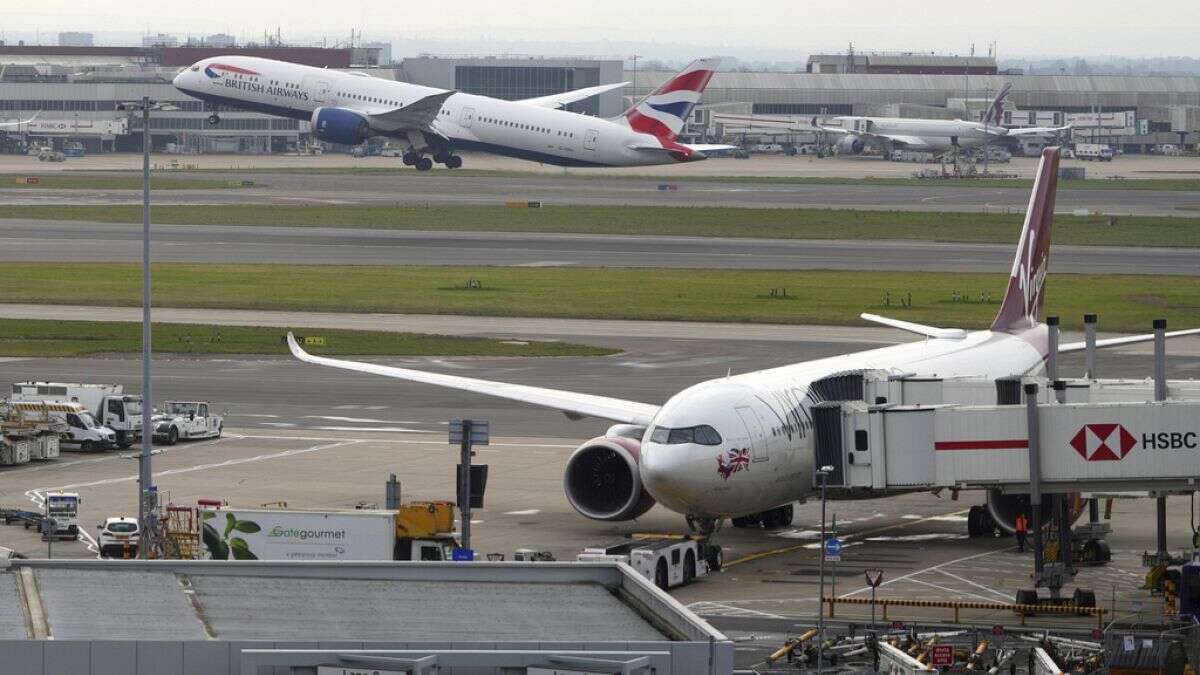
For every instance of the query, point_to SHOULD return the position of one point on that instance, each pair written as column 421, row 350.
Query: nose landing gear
column 770, row 519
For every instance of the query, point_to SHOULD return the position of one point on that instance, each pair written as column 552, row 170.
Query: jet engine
column 340, row 125
column 850, row 145
column 1004, row 509
column 602, row 480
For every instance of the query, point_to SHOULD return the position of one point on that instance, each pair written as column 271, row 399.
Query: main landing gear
column 771, row 519
column 423, row 163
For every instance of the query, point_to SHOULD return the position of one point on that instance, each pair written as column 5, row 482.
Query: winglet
column 919, row 329
column 296, row 349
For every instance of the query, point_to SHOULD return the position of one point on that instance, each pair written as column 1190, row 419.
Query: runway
column 406, row 187
column 53, row 241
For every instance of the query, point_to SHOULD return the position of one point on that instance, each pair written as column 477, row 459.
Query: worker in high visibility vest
column 1022, row 529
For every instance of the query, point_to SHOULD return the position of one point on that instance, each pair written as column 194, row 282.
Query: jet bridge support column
column 1035, row 479
column 1160, row 394
column 1052, row 354
column 1089, row 354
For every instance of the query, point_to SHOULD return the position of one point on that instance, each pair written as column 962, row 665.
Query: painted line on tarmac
column 857, row 535
column 952, row 591
column 1006, row 596
column 932, row 568
column 399, row 440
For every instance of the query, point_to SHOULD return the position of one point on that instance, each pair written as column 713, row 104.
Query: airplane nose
column 670, row 473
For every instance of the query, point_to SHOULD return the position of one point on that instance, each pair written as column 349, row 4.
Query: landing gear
column 980, row 522
column 214, row 119
column 705, row 527
column 410, row 158
column 423, row 164
column 771, row 519
column 453, row 162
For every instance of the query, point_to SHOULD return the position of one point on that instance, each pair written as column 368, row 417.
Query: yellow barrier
column 1021, row 610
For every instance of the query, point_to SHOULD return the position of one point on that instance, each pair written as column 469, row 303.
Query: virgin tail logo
column 1025, row 298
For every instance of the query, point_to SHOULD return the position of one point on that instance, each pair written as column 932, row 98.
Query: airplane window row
column 370, row 99
column 703, row 434
column 527, row 127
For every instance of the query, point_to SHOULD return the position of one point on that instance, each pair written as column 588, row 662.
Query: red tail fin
column 1022, row 307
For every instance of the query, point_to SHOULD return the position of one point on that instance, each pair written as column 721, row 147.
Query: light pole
column 145, row 476
column 823, row 474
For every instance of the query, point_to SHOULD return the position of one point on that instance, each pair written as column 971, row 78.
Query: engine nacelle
column 1005, row 508
column 850, row 145
column 340, row 125
column 602, row 480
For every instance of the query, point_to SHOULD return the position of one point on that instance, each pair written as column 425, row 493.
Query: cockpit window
column 702, row 434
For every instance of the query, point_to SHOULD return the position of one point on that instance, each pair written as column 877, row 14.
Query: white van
column 85, row 433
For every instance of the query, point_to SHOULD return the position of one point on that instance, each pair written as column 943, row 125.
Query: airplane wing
column 1127, row 340
column 18, row 123
column 1036, row 131
column 919, row 329
column 914, row 142
column 575, row 405
column 561, row 100
column 418, row 115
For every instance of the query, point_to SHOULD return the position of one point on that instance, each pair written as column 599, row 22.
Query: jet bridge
column 1093, row 435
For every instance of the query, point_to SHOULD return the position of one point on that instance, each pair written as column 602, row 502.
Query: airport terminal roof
column 214, row 600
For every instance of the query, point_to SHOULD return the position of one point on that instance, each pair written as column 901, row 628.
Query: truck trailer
column 108, row 404
column 416, row 531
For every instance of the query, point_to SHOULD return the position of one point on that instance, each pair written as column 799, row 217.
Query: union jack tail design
column 663, row 112
column 733, row 461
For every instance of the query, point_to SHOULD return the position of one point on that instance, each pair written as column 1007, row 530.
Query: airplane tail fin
column 663, row 112
column 1024, row 299
column 995, row 112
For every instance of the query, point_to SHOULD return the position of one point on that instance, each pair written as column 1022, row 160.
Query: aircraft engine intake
column 850, row 145
column 340, row 125
column 1005, row 507
column 602, row 480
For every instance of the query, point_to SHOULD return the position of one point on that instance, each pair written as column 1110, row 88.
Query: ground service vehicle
column 668, row 562
column 63, row 508
column 119, row 537
column 48, row 154
column 108, row 404
column 416, row 531
column 1089, row 152
column 186, row 419
column 82, row 430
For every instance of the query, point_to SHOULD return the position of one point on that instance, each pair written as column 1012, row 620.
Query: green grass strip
column 20, row 337
column 680, row 221
column 1124, row 302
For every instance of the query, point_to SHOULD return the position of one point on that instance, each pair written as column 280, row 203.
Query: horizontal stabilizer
column 1120, row 341
column 919, row 329
column 568, row 97
column 575, row 405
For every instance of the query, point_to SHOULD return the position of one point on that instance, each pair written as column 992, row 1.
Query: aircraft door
column 590, row 138
column 319, row 89
column 754, row 429
column 467, row 117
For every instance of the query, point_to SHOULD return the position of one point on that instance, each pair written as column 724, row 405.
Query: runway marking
column 931, row 568
column 953, row 591
column 526, row 512
column 1006, row 596
column 403, row 441
column 251, row 415
column 398, row 430
column 359, row 420
column 857, row 535
column 203, row 467
column 699, row 607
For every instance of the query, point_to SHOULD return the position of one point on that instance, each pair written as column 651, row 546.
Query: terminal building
column 74, row 90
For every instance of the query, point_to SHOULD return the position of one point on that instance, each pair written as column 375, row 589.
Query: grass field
column 68, row 182
column 1171, row 184
column 1125, row 303
column 19, row 337
column 687, row 221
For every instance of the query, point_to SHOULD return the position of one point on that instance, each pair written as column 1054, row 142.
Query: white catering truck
column 1093, row 152
column 83, row 432
column 108, row 404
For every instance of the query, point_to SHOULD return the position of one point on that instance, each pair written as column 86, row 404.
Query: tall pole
column 145, row 476
column 821, row 587
column 465, row 501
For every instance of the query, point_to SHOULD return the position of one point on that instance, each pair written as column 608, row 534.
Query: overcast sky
column 1019, row 27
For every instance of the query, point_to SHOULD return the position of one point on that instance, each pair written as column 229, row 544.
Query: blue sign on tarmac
column 833, row 547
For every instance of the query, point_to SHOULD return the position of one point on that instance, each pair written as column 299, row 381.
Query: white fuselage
column 933, row 135
column 467, row 121
column 767, row 413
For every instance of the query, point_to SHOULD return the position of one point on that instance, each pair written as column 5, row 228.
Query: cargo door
column 754, row 430
column 319, row 88
column 590, row 138
column 467, row 117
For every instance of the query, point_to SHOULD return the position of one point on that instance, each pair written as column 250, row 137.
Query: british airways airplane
column 741, row 446
column 435, row 124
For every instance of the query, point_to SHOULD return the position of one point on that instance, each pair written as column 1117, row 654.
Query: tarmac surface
column 321, row 438
column 407, row 188
column 37, row 240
